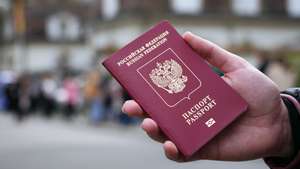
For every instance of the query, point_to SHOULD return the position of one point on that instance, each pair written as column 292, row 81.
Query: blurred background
column 59, row 108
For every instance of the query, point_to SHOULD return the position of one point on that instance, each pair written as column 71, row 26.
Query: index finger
column 132, row 108
column 215, row 55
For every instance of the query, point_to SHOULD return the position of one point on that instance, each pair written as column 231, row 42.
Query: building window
column 246, row 7
column 187, row 6
column 274, row 7
column 110, row 8
column 63, row 27
column 7, row 29
column 293, row 7
column 218, row 7
column 5, row 5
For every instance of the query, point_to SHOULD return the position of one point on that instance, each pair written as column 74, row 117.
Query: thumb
column 215, row 55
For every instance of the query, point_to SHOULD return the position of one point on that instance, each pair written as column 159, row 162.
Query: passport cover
column 176, row 87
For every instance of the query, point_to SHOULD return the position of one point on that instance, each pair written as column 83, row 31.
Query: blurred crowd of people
column 278, row 68
column 99, row 97
column 67, row 96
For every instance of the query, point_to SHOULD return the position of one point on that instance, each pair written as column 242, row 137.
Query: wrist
column 285, row 146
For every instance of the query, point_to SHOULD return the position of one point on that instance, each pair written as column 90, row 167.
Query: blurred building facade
column 42, row 35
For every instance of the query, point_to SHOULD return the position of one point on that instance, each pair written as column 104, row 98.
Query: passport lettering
column 198, row 110
column 148, row 47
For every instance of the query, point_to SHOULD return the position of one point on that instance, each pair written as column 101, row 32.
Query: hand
column 262, row 131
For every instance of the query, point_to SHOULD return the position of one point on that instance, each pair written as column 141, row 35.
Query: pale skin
column 262, row 131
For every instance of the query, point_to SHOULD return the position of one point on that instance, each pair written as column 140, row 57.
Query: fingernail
column 123, row 107
column 188, row 33
column 144, row 124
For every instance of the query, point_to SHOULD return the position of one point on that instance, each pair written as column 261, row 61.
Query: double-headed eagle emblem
column 168, row 76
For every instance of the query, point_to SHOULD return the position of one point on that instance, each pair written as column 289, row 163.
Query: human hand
column 262, row 131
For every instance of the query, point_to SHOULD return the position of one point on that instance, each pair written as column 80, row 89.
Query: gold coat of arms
column 168, row 76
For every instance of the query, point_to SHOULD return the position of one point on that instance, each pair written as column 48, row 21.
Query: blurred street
column 39, row 143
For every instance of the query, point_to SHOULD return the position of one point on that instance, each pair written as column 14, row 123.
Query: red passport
column 176, row 87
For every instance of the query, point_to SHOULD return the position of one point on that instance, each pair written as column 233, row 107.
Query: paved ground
column 55, row 144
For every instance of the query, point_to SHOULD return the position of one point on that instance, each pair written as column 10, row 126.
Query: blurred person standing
column 2, row 93
column 71, row 87
column 92, row 93
column 2, row 97
column 107, row 99
column 36, row 93
column 19, row 94
column 118, row 96
column 8, row 82
column 61, row 98
column 12, row 95
column 115, row 91
column 49, row 88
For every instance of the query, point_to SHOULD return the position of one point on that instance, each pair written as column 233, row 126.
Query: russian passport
column 175, row 87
